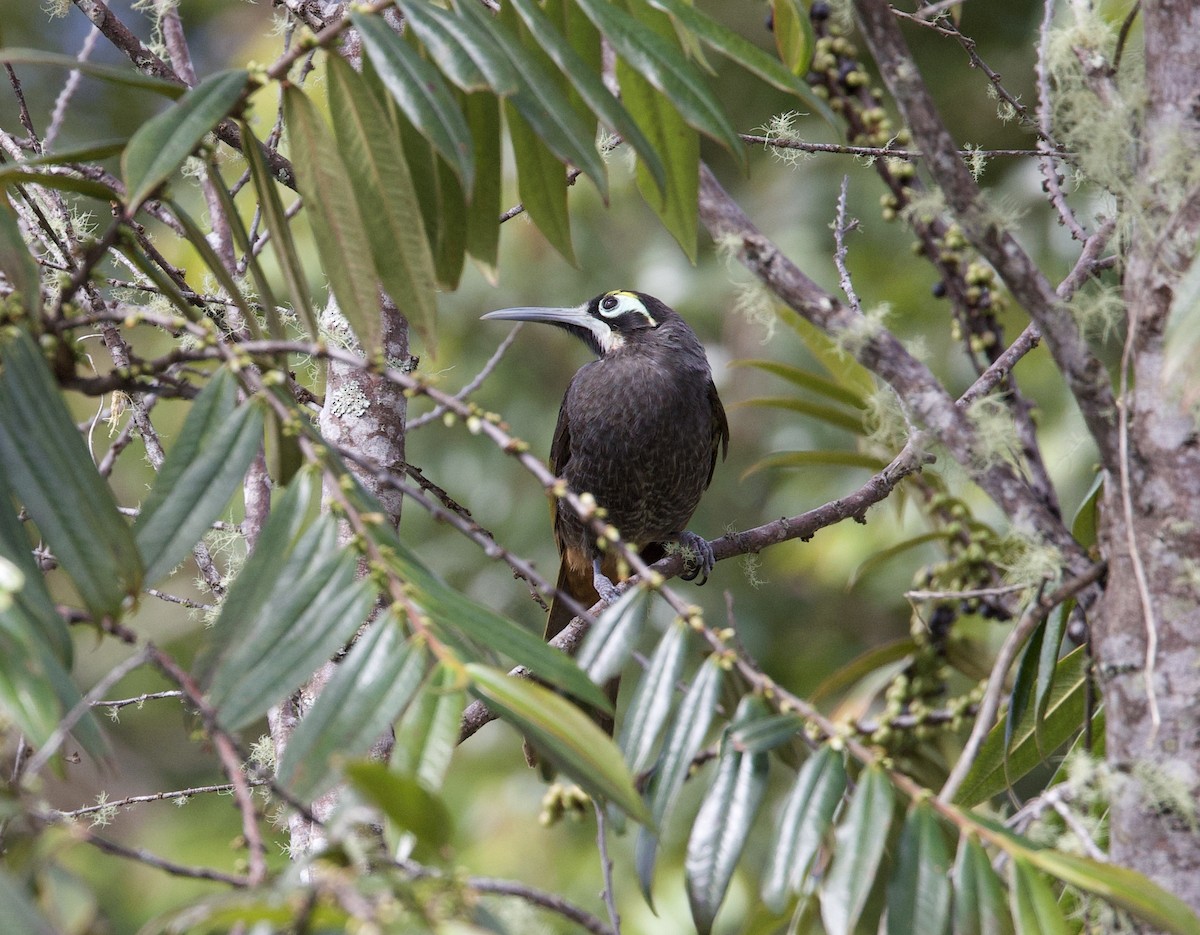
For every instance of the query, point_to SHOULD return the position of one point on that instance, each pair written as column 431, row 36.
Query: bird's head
column 609, row 322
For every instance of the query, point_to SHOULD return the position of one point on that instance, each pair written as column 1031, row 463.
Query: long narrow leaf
column 337, row 224
column 563, row 734
column 49, row 467
column 723, row 823
column 682, row 742
column 663, row 64
column 679, row 146
column 652, row 701
column 540, row 98
column 803, row 824
column 609, row 644
column 113, row 74
column 466, row 53
column 542, row 184
column 421, row 93
column 280, row 230
column 1034, row 908
column 368, row 691
column 370, row 145
column 17, row 263
column 202, row 471
column 452, row 612
column 428, row 733
column 860, row 840
column 919, row 892
column 590, row 87
column 161, row 144
column 979, row 905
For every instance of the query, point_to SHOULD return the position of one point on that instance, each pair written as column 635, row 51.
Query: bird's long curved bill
column 577, row 316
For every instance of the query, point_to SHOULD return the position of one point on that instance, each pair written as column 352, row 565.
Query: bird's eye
column 609, row 303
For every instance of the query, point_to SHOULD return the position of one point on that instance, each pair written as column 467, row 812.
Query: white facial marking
column 616, row 304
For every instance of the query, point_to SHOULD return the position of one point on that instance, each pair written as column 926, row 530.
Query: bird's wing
column 560, row 454
column 720, row 429
column 560, row 447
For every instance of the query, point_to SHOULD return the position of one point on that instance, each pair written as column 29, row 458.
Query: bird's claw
column 699, row 557
column 604, row 587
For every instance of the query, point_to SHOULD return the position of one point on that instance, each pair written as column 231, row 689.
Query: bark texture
column 1147, row 640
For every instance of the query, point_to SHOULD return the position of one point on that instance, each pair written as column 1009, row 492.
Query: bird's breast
column 641, row 444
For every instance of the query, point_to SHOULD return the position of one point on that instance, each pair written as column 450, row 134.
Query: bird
column 640, row 429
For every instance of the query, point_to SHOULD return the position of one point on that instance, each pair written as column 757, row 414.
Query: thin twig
column 137, row 699
column 174, row 794
column 438, row 411
column 840, row 227
column 82, row 707
column 606, row 867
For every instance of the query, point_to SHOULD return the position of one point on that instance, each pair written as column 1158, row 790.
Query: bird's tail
column 577, row 584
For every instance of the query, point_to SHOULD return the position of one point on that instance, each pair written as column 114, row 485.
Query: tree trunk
column 1147, row 637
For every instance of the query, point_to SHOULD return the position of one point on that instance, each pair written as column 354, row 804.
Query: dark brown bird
column 639, row 429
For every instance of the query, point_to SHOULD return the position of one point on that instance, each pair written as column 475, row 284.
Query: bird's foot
column 699, row 558
column 604, row 587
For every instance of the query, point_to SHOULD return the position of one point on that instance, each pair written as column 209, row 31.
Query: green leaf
column 541, row 98
column 370, row 145
column 17, row 263
column 31, row 599
column 609, row 644
column 807, row 380
column 466, row 53
column 198, row 240
column 858, row 851
column 723, row 823
column 368, row 690
column 1125, row 888
column 113, row 74
column 807, row 459
column 680, row 747
column 280, row 230
column 452, row 229
column 1034, row 907
column 659, row 59
column 423, row 166
column 18, row 910
column 161, row 144
column 833, row 415
column 677, row 204
column 406, row 802
column 84, row 152
column 421, row 93
column 1055, row 629
column 742, row 51
column 428, row 733
column 873, row 561
column 337, row 224
column 241, row 239
column 587, row 84
column 766, row 733
column 1085, row 525
column 652, row 700
column 541, row 183
column 979, row 907
column 17, row 174
column 452, row 612
column 202, row 471
column 563, row 734
column 919, row 892
column 993, row 771
column 26, row 696
column 794, row 38
column 294, row 604
column 483, row 214
column 51, row 471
